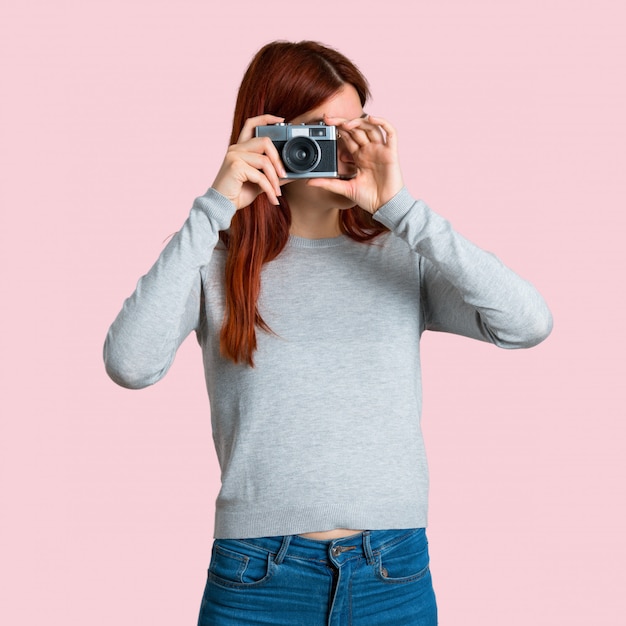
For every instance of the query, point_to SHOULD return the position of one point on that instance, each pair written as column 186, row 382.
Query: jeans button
column 336, row 551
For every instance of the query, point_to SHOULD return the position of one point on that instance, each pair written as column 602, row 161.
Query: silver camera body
column 306, row 150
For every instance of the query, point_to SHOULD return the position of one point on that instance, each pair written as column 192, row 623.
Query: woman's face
column 345, row 104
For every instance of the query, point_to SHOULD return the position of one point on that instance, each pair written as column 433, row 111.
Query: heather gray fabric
column 324, row 432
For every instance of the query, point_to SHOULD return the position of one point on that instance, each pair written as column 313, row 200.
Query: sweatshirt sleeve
column 465, row 289
column 165, row 307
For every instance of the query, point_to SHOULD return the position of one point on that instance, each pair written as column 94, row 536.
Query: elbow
column 537, row 320
column 126, row 377
column 538, row 330
column 534, row 329
column 127, row 370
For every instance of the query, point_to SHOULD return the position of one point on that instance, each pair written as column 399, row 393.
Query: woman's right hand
column 252, row 166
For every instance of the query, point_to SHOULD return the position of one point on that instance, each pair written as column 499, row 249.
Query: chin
column 331, row 200
column 298, row 192
column 342, row 203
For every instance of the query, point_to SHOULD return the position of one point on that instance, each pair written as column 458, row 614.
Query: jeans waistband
column 367, row 544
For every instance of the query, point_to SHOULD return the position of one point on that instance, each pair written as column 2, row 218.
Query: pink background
column 114, row 115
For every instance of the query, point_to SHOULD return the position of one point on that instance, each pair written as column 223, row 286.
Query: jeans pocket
column 237, row 564
column 405, row 561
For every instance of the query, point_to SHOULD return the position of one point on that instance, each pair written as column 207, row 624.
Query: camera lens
column 301, row 154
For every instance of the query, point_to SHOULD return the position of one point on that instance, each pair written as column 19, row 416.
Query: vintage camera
column 306, row 150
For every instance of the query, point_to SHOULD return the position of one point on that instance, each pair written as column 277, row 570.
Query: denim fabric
column 374, row 578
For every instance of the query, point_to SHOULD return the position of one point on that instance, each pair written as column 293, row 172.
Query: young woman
column 308, row 298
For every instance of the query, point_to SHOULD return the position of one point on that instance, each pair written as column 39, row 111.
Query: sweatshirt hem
column 248, row 523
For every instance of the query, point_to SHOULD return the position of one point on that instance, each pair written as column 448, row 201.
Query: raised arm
column 164, row 308
column 465, row 289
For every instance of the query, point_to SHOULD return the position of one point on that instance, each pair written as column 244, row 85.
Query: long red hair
column 284, row 79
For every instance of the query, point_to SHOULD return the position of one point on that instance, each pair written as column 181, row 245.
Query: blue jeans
column 374, row 578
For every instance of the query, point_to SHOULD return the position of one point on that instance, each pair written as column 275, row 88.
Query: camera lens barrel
column 301, row 154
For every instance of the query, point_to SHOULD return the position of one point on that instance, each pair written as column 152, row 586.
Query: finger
column 268, row 147
column 263, row 163
column 340, row 123
column 334, row 185
column 274, row 157
column 348, row 141
column 391, row 136
column 262, row 145
column 363, row 128
column 334, row 121
column 247, row 132
column 358, row 135
column 257, row 177
column 362, row 122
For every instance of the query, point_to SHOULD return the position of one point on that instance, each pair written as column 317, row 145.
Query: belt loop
column 283, row 550
column 367, row 548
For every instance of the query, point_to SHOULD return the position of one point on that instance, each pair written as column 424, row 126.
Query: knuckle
column 231, row 161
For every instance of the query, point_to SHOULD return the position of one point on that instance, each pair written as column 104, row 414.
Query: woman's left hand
column 372, row 143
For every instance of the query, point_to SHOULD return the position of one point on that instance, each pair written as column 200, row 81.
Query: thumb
column 334, row 185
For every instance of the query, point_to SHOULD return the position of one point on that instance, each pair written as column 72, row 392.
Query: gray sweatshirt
column 324, row 432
